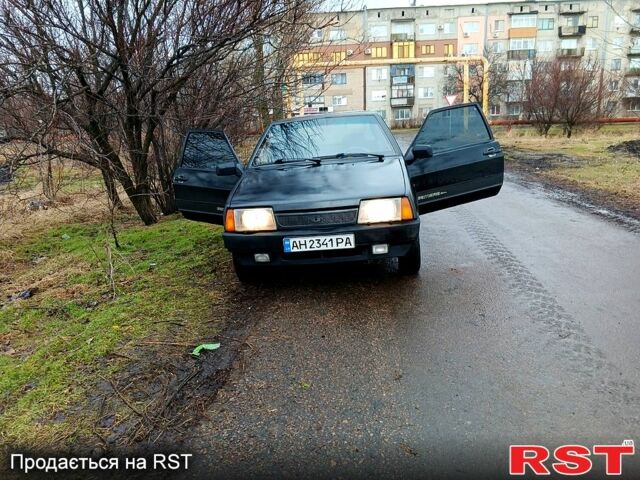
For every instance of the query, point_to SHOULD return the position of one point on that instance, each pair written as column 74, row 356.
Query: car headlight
column 250, row 220
column 385, row 210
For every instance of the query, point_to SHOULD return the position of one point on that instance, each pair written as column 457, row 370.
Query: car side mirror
column 422, row 151
column 226, row 169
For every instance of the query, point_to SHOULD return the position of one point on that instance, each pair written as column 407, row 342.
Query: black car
column 336, row 187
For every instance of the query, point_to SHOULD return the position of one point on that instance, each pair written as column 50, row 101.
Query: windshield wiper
column 316, row 161
column 379, row 156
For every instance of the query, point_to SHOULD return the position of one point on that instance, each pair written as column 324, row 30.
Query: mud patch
column 173, row 387
column 537, row 167
column 630, row 147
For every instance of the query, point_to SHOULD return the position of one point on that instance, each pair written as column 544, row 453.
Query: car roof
column 314, row 116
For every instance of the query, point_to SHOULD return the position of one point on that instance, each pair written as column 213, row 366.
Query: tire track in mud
column 565, row 335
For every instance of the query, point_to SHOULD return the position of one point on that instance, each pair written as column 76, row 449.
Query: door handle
column 180, row 179
column 491, row 151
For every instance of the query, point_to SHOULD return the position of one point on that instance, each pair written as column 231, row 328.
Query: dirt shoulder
column 597, row 169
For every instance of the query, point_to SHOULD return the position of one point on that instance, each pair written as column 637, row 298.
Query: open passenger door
column 454, row 159
column 208, row 170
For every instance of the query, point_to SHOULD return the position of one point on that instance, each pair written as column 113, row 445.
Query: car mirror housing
column 422, row 151
column 227, row 168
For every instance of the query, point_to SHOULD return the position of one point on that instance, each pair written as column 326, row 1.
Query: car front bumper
column 398, row 236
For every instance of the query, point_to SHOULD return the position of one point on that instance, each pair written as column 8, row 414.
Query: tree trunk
column 112, row 191
column 142, row 203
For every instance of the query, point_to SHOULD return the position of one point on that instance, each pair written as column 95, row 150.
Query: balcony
column 570, row 52
column 572, row 9
column 634, row 29
column 632, row 72
column 521, row 54
column 634, row 51
column 572, row 31
column 402, row 101
column 403, row 80
column 403, row 37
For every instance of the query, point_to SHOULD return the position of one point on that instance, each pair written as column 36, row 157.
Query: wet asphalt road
column 522, row 327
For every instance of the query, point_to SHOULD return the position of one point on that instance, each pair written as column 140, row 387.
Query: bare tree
column 542, row 94
column 102, row 81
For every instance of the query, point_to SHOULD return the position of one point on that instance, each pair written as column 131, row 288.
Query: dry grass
column 595, row 168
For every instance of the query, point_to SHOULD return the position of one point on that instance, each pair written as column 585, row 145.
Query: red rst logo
column 570, row 460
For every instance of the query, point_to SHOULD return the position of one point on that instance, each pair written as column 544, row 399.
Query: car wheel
column 410, row 263
column 245, row 273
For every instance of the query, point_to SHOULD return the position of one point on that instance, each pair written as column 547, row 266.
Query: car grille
column 317, row 219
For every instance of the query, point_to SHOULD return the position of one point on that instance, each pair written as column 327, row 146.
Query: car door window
column 205, row 150
column 453, row 128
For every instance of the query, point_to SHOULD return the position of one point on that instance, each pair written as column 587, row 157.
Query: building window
column 428, row 72
column 447, row 27
column 339, row 100
column 494, row 110
column 448, row 49
column 425, row 92
column 498, row 47
column 338, row 57
column 470, row 49
column 634, row 105
column 423, row 112
column 402, row 91
column 545, row 46
column 471, row 27
column 634, row 64
column 546, row 24
column 316, row 36
column 514, row 109
column 592, row 44
column 378, row 95
column 592, row 22
column 569, row 43
column 616, row 64
column 473, row 10
column 382, row 113
column 523, row 21
column 614, row 85
column 428, row 49
column 401, row 114
column 378, row 73
column 314, row 100
column 378, row 32
column 522, row 43
column 404, row 49
column 339, row 78
column 308, row 57
column 449, row 12
column 427, row 29
column 498, row 26
column 379, row 52
column 312, row 78
column 618, row 42
column 337, row 34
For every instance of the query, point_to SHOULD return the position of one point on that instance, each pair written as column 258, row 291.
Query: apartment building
column 395, row 60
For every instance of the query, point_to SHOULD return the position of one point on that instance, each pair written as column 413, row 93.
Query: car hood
column 329, row 185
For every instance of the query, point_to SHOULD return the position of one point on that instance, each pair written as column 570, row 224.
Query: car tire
column 245, row 274
column 411, row 262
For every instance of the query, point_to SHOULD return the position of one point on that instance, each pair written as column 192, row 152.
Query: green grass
column 62, row 340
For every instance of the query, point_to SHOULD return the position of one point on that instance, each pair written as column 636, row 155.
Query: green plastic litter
column 205, row 346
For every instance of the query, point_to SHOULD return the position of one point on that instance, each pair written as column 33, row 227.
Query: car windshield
column 299, row 141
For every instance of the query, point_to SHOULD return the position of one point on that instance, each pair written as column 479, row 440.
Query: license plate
column 324, row 242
